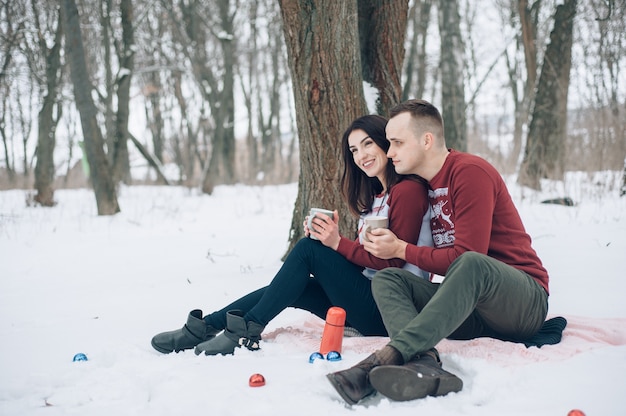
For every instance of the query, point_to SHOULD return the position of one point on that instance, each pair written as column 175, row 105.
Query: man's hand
column 384, row 244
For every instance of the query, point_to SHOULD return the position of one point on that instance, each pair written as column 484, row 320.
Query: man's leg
column 402, row 295
column 507, row 300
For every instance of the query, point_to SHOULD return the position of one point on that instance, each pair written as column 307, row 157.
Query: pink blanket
column 581, row 334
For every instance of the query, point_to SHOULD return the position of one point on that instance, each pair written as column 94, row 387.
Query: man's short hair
column 425, row 115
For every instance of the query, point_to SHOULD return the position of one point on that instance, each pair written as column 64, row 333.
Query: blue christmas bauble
column 80, row 357
column 315, row 356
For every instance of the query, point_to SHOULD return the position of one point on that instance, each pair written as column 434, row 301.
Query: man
column 494, row 285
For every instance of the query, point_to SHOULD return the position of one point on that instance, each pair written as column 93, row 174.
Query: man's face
column 405, row 150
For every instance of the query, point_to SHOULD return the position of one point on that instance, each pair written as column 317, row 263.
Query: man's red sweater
column 473, row 211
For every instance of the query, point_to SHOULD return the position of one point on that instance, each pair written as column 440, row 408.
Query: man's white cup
column 312, row 213
column 372, row 223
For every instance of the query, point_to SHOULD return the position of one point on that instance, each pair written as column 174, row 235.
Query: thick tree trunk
column 382, row 29
column 325, row 64
column 544, row 153
column 452, row 76
column 44, row 169
column 103, row 185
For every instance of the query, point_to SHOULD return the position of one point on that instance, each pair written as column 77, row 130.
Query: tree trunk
column 382, row 29
column 452, row 76
column 221, row 169
column 104, row 188
column 622, row 191
column 325, row 64
column 121, row 162
column 44, row 169
column 416, row 62
column 529, row 19
column 522, row 100
column 543, row 156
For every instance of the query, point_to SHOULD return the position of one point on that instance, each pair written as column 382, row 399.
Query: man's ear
column 429, row 140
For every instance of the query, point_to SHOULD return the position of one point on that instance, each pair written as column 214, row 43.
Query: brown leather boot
column 420, row 377
column 353, row 384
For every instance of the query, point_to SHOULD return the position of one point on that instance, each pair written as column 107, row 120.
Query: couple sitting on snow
column 450, row 214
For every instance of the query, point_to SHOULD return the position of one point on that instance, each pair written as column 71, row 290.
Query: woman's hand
column 307, row 232
column 326, row 229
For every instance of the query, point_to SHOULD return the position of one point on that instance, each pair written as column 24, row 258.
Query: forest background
column 201, row 93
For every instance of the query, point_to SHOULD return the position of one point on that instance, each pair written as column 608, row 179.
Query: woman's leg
column 217, row 319
column 341, row 281
column 313, row 299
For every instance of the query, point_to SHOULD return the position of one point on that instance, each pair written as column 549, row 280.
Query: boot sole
column 400, row 383
column 337, row 386
column 159, row 349
column 169, row 351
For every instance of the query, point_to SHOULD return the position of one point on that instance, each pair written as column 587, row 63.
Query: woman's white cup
column 312, row 213
column 372, row 223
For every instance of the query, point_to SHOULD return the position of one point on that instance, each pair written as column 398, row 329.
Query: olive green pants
column 480, row 296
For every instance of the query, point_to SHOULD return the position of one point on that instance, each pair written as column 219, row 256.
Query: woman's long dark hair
column 359, row 189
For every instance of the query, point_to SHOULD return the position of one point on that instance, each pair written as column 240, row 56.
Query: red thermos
column 332, row 337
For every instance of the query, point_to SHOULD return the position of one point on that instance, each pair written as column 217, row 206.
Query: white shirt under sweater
column 380, row 208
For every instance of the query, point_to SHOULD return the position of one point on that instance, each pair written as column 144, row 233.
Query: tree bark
column 382, row 29
column 121, row 162
column 325, row 65
column 104, row 187
column 44, row 168
column 452, row 76
column 543, row 156
column 221, row 168
column 622, row 190
column 416, row 62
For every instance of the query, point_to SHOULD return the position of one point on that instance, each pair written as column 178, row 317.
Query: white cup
column 371, row 223
column 312, row 213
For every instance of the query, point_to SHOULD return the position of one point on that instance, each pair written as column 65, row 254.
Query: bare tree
column 10, row 37
column 50, row 81
column 602, row 116
column 206, row 37
column 221, row 167
column 452, row 77
column 104, row 187
column 416, row 63
column 622, row 190
column 125, row 55
column 543, row 156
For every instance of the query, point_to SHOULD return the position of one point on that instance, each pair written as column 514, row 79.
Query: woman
column 331, row 271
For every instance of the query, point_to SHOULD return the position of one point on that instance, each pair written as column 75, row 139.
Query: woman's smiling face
column 367, row 155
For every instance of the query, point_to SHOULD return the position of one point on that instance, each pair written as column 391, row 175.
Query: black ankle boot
column 191, row 334
column 353, row 384
column 238, row 333
column 418, row 378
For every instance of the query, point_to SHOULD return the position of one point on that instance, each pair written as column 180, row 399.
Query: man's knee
column 384, row 279
column 470, row 264
column 469, row 258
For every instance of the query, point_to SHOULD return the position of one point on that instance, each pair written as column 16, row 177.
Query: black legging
column 314, row 278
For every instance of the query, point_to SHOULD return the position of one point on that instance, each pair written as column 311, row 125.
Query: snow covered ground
column 72, row 282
